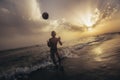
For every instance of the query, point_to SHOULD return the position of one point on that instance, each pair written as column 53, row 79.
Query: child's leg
column 59, row 60
column 52, row 55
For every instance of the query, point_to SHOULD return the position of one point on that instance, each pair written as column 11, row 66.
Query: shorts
column 53, row 51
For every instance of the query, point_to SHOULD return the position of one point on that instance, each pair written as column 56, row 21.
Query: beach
column 97, row 58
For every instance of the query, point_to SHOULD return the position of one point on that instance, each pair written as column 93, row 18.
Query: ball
column 45, row 15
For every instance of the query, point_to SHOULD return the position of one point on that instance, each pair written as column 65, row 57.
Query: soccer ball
column 45, row 15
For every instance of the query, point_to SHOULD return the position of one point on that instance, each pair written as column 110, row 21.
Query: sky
column 21, row 23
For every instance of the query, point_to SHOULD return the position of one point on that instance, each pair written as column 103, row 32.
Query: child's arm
column 48, row 43
column 59, row 40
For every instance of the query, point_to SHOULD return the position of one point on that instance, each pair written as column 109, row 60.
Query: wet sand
column 97, row 61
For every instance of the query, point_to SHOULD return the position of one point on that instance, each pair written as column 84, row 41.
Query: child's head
column 53, row 33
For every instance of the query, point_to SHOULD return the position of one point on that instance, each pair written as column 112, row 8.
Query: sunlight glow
column 98, row 52
column 90, row 29
column 90, row 18
column 87, row 20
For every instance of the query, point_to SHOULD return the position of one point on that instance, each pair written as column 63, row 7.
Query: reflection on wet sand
column 107, row 50
column 97, row 52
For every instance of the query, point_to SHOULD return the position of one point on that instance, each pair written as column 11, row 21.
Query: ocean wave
column 23, row 71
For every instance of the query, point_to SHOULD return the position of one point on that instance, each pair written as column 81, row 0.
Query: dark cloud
column 15, row 17
column 16, row 23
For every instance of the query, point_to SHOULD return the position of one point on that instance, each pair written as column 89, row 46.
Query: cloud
column 21, row 22
column 19, row 19
column 4, row 10
column 19, row 16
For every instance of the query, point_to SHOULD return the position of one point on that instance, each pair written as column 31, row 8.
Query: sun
column 89, row 19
